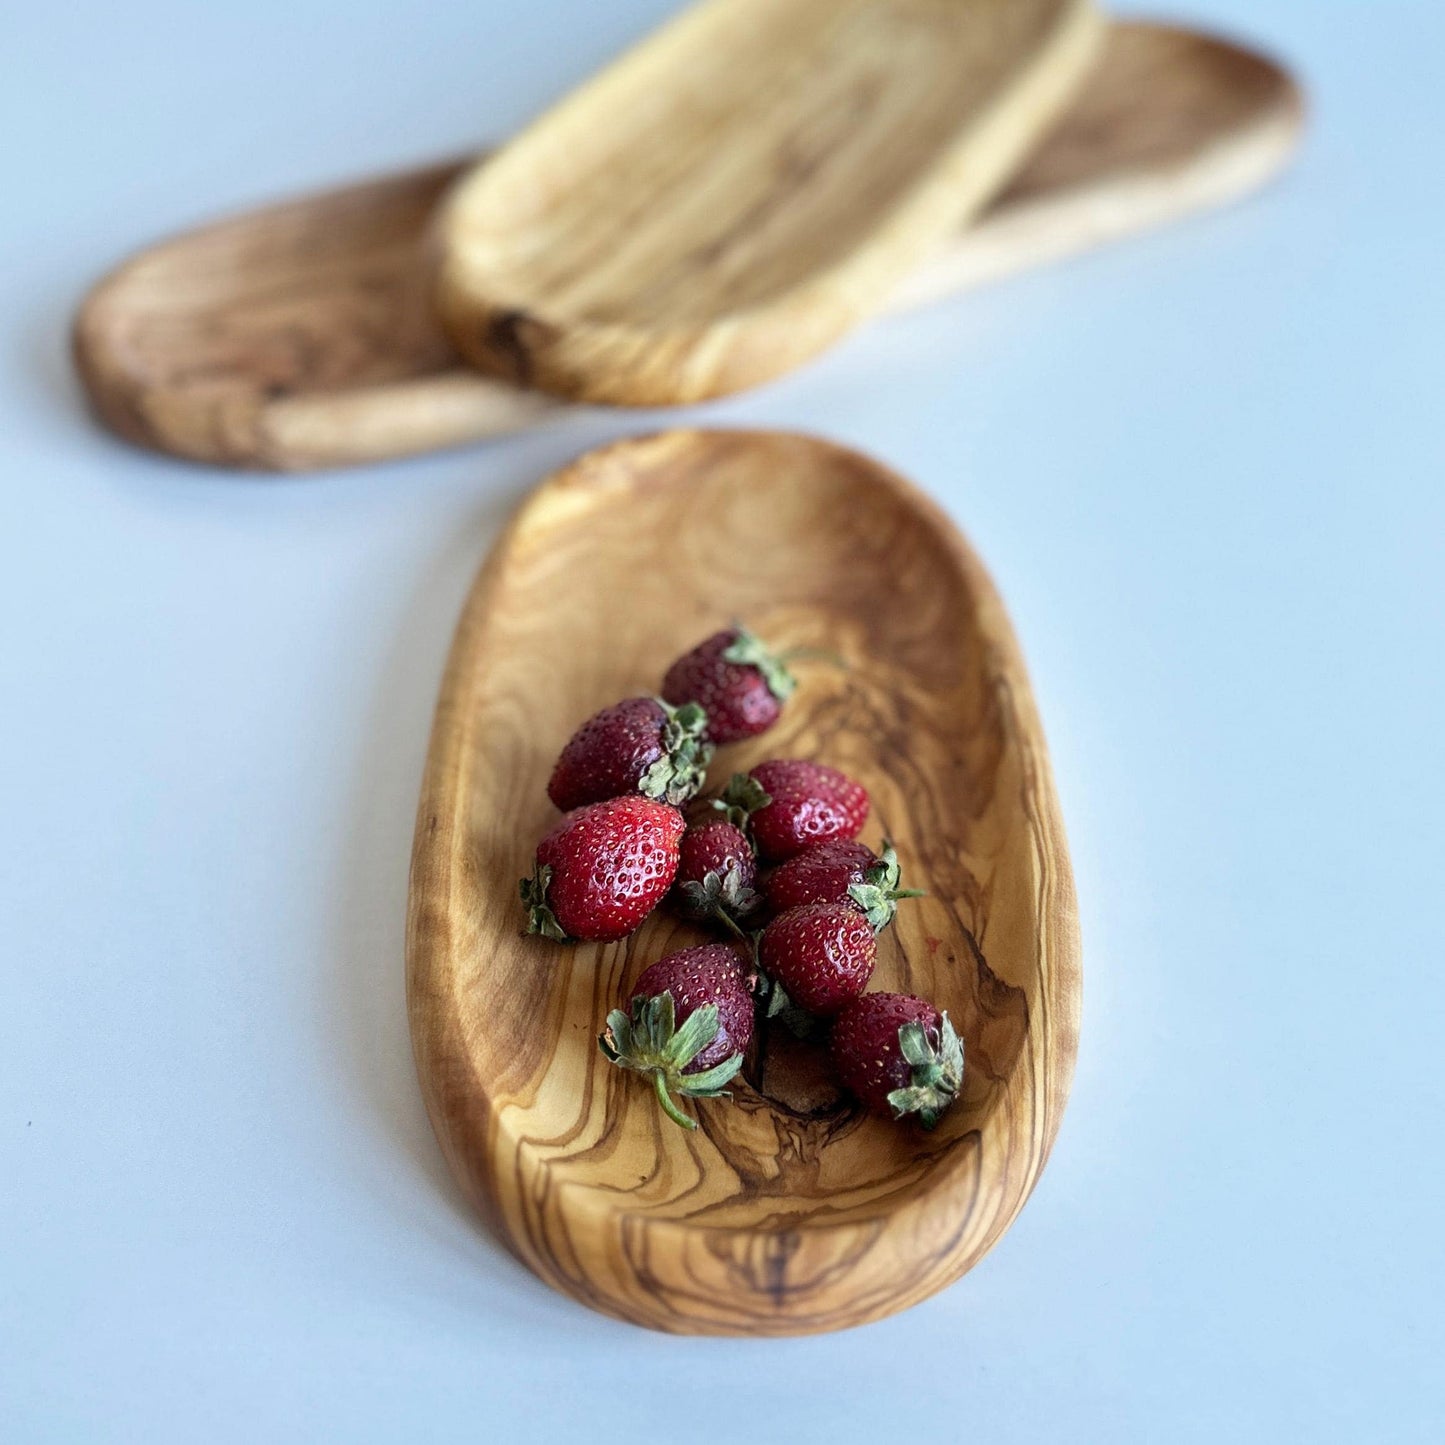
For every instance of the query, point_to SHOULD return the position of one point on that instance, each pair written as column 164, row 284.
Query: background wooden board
column 744, row 187
column 301, row 335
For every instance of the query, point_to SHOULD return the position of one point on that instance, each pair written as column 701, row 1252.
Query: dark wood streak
column 509, row 340
column 787, row 1210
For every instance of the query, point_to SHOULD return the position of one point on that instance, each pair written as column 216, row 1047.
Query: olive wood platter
column 786, row 1211
column 301, row 335
column 745, row 186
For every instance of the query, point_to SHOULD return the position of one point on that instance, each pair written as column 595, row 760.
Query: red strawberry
column 843, row 871
column 689, row 1022
column 736, row 679
column 820, row 954
column 603, row 869
column 789, row 804
column 899, row 1055
column 638, row 746
column 716, row 874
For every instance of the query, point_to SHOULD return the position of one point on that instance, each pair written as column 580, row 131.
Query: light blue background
column 1207, row 469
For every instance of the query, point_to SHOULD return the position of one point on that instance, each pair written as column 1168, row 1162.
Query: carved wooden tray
column 786, row 1211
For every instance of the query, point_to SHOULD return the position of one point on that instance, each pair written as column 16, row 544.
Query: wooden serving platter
column 744, row 186
column 301, row 335
column 786, row 1211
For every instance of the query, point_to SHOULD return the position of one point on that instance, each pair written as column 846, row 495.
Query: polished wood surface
column 744, row 187
column 301, row 336
column 787, row 1211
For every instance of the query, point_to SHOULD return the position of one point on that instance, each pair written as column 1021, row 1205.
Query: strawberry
column 689, row 1022
column 843, row 871
column 736, row 679
column 640, row 745
column 716, row 873
column 789, row 804
column 603, row 869
column 820, row 954
column 898, row 1055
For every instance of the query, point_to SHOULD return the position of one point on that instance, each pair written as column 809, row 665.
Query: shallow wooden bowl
column 786, row 1211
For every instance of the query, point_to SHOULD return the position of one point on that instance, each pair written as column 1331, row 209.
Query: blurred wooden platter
column 301, row 335
column 745, row 186
column 786, row 1211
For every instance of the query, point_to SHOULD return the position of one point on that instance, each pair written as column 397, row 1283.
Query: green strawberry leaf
column 742, row 797
column 709, row 1083
column 681, row 772
column 540, row 918
column 937, row 1072
column 721, row 895
column 649, row 1042
column 747, row 651
column 693, row 1037
column 914, row 1045
column 878, row 894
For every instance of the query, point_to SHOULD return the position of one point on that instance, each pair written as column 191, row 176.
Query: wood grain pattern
column 786, row 1212
column 744, row 187
column 301, row 336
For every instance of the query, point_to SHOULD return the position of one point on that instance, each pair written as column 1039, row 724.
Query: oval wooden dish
column 787, row 1211
column 745, row 186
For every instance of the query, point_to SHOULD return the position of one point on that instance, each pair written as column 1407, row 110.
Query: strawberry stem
column 730, row 923
column 814, row 654
column 659, row 1087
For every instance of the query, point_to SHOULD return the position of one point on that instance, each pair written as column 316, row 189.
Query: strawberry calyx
column 778, row 1007
column 649, row 1041
column 746, row 650
column 681, row 771
column 878, row 894
column 742, row 797
column 721, row 894
column 937, row 1072
column 540, row 918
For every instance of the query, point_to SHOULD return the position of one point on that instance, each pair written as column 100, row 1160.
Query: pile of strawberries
column 773, row 862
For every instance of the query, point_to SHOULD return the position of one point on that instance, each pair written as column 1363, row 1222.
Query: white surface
column 1207, row 472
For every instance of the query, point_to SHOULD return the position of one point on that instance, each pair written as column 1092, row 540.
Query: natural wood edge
column 1038, row 1087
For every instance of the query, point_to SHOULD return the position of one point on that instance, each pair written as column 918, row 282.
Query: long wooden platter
column 787, row 1211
